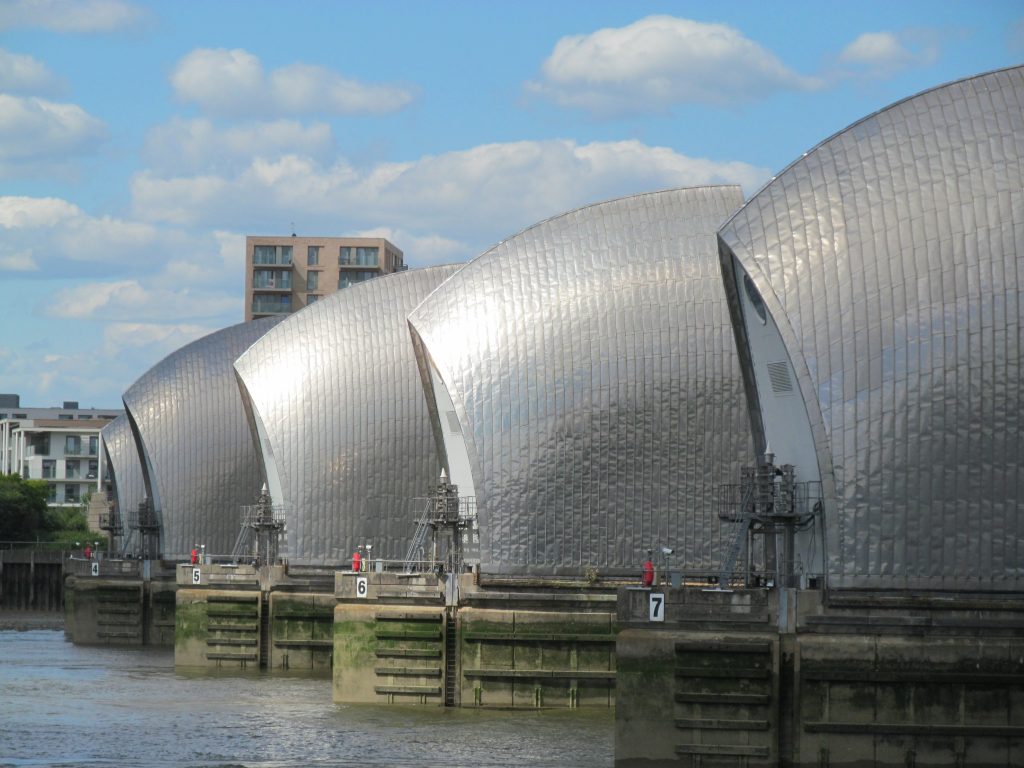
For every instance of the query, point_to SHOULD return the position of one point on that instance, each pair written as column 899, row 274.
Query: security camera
column 667, row 550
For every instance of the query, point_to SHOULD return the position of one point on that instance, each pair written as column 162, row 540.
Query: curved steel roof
column 337, row 404
column 124, row 470
column 890, row 256
column 593, row 385
column 199, row 462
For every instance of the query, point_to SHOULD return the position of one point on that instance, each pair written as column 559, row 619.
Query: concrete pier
column 119, row 602
column 505, row 644
column 247, row 618
column 783, row 677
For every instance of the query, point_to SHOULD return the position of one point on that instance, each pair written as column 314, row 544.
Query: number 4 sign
column 656, row 606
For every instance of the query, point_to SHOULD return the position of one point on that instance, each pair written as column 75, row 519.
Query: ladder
column 265, row 638
column 418, row 540
column 451, row 659
column 242, row 543
column 729, row 561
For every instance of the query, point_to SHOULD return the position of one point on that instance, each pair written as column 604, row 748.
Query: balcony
column 271, row 304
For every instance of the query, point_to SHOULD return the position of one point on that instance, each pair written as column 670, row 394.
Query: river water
column 68, row 705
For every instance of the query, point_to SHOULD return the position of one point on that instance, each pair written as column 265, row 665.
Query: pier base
column 119, row 603
column 765, row 678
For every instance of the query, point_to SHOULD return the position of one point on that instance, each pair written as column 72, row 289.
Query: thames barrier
column 747, row 471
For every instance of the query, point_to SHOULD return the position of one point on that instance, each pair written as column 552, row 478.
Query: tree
column 22, row 508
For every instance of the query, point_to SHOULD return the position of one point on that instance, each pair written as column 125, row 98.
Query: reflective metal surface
column 891, row 257
column 199, row 463
column 336, row 402
column 124, row 469
column 593, row 385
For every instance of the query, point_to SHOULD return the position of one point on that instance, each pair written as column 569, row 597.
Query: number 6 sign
column 362, row 586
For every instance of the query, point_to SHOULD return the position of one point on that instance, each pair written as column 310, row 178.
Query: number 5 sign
column 656, row 606
column 362, row 586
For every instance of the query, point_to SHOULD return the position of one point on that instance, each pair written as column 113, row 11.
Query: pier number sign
column 656, row 606
column 95, row 570
column 362, row 586
column 197, row 575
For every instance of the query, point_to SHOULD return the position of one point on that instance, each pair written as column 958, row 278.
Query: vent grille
column 778, row 374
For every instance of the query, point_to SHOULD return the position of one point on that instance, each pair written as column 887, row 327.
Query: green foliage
column 25, row 517
column 22, row 508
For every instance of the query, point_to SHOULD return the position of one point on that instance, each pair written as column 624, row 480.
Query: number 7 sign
column 656, row 606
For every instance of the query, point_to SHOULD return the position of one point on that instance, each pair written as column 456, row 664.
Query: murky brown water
column 66, row 705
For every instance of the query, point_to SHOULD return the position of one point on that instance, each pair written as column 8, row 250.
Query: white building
column 58, row 445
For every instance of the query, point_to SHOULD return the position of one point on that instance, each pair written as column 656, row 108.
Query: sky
column 140, row 142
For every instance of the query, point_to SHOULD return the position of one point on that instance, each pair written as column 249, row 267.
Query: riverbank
column 26, row 621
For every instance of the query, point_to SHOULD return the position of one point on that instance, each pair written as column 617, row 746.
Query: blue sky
column 141, row 141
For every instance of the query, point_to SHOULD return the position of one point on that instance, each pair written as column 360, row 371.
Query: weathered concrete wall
column 530, row 646
column 301, row 632
column 217, row 617
column 109, row 602
column 533, row 658
column 389, row 644
column 764, row 678
column 238, row 616
column 104, row 611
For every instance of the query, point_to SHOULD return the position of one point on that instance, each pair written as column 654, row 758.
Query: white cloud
column 20, row 261
column 23, row 74
column 224, row 82
column 198, row 145
column 37, row 134
column 69, row 15
column 61, row 229
column 130, row 300
column 661, row 61
column 465, row 194
column 883, row 54
column 164, row 338
column 34, row 212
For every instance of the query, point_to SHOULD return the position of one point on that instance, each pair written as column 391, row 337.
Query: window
column 312, row 279
column 94, row 444
column 71, row 467
column 94, row 469
column 264, row 254
column 64, row 417
column 345, row 255
column 366, row 257
column 286, row 254
column 271, row 304
column 49, row 469
column 351, row 277
column 313, row 255
column 71, row 494
column 21, row 415
column 272, row 278
column 40, row 445
column 51, row 492
column 310, row 298
column 73, row 444
column 755, row 299
column 84, row 416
